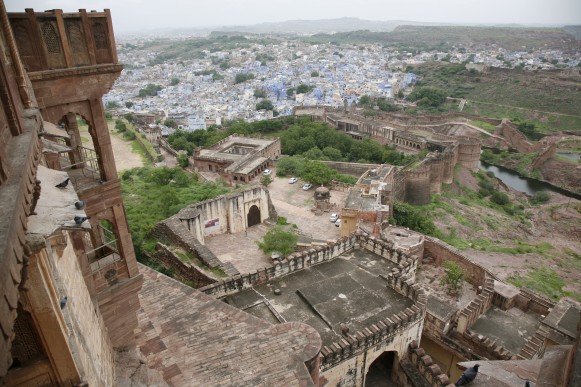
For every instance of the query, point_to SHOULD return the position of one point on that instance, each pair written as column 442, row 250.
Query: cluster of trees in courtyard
column 299, row 137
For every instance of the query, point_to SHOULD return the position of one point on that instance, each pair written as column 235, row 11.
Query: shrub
column 540, row 197
column 454, row 276
column 278, row 240
column 129, row 135
column 500, row 198
column 183, row 160
column 120, row 126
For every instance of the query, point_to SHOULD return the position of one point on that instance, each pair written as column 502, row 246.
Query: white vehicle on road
column 334, row 217
column 292, row 180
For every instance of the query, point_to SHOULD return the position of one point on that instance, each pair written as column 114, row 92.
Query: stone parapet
column 483, row 345
column 425, row 365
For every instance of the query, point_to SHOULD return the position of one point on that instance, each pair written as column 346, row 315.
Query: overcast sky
column 130, row 15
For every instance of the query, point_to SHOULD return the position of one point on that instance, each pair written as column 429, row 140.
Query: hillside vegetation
column 499, row 90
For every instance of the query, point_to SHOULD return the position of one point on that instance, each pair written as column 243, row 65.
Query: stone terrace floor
column 195, row 340
column 346, row 290
column 511, row 328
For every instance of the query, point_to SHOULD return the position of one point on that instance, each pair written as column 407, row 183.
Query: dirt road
column 125, row 158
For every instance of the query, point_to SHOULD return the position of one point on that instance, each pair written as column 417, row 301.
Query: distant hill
column 444, row 37
column 323, row 26
column 573, row 30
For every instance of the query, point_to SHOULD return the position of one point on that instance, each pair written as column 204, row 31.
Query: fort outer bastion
column 413, row 183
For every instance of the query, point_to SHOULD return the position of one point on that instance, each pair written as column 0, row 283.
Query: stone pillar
column 75, row 141
column 102, row 141
column 43, row 301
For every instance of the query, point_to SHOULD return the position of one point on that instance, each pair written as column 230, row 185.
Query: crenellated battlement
column 406, row 264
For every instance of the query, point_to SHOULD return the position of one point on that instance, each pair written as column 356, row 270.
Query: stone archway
column 253, row 217
column 380, row 371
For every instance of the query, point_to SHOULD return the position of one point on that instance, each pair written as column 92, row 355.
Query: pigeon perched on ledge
column 63, row 184
column 468, row 376
column 64, row 302
column 80, row 219
column 79, row 204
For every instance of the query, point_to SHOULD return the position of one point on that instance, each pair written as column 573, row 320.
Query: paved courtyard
column 295, row 204
column 291, row 202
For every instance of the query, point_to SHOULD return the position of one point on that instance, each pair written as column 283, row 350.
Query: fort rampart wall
column 441, row 251
column 514, row 137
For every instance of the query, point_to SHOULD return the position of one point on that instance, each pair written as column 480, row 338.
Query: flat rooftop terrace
column 511, row 328
column 357, row 202
column 347, row 290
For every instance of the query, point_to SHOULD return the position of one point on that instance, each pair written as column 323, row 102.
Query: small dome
column 322, row 190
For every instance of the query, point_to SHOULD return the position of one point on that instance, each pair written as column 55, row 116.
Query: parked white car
column 292, row 180
column 307, row 186
column 338, row 223
column 266, row 172
column 334, row 217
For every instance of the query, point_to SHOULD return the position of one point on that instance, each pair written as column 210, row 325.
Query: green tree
column 529, row 130
column 150, row 90
column 259, row 93
column 265, row 104
column 288, row 166
column 183, row 160
column 428, row 96
column 278, row 240
column 314, row 154
column 415, row 218
column 333, row 153
column 365, row 100
column 315, row 74
column 265, row 180
column 290, row 91
column 130, row 117
column 243, row 77
column 129, row 104
column 303, row 89
column 454, row 276
column 315, row 172
column 170, row 123
column 174, row 81
column 120, row 125
column 385, row 106
column 112, row 105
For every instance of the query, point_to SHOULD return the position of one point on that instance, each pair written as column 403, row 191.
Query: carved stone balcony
column 54, row 40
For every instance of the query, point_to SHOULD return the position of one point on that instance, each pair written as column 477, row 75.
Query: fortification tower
column 469, row 152
column 71, row 61
column 417, row 185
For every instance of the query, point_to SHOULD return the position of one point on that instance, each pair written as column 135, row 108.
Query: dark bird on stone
column 63, row 184
column 79, row 204
column 527, row 384
column 468, row 375
column 80, row 219
column 64, row 302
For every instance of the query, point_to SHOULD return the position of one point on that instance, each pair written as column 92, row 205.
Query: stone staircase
column 535, row 346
